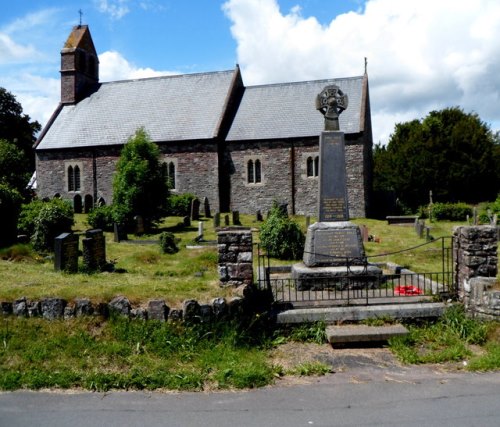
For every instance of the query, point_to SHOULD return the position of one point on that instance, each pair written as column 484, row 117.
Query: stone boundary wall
column 192, row 311
column 476, row 259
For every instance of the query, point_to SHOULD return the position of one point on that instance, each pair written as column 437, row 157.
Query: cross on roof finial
column 81, row 14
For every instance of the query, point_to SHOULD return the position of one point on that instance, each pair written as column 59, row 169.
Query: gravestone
column 258, row 216
column 139, row 225
column 334, row 245
column 236, row 218
column 186, row 221
column 119, row 232
column 66, row 252
column 217, row 220
column 200, row 231
column 195, row 210
column 226, row 220
column 206, row 205
column 94, row 250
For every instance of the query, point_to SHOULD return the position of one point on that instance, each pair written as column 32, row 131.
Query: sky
column 422, row 55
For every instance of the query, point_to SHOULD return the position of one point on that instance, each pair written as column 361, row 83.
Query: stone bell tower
column 79, row 66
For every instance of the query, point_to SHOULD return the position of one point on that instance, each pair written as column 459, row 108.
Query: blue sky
column 422, row 54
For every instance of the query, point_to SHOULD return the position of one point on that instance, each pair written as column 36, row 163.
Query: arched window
column 76, row 172
column 171, row 174
column 101, row 202
column 316, row 166
column 257, row 171
column 310, row 166
column 71, row 179
column 250, row 174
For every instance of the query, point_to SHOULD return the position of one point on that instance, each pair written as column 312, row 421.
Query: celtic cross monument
column 334, row 246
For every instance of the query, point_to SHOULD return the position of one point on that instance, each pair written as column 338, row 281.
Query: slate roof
column 171, row 108
column 288, row 110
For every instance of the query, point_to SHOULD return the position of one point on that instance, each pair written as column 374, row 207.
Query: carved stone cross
column 331, row 101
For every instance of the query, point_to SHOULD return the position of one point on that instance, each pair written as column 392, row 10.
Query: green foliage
column 10, row 202
column 449, row 211
column 452, row 153
column 314, row 332
column 128, row 354
column 180, row 204
column 18, row 129
column 102, row 217
column 448, row 340
column 282, row 237
column 14, row 169
column 167, row 243
column 311, row 369
column 17, row 252
column 141, row 182
column 44, row 221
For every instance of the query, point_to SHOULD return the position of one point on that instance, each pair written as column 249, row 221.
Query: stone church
column 240, row 146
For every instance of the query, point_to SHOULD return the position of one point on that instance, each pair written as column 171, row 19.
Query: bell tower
column 79, row 66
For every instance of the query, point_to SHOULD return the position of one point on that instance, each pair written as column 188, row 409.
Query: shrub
column 54, row 217
column 179, row 204
column 167, row 243
column 451, row 211
column 10, row 202
column 102, row 217
column 282, row 237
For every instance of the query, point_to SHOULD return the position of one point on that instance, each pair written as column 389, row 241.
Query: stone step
column 333, row 315
column 349, row 334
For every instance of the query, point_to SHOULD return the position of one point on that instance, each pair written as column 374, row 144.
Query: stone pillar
column 235, row 256
column 475, row 256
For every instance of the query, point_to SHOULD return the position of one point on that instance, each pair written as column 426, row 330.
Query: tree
column 17, row 128
column 141, row 181
column 10, row 203
column 451, row 153
column 13, row 166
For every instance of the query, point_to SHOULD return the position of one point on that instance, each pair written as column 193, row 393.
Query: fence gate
column 359, row 286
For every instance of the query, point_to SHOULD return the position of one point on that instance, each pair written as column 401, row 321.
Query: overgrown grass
column 129, row 354
column 452, row 339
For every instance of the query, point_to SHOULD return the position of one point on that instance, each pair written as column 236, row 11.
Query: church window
column 312, row 166
column 74, row 178
column 254, row 171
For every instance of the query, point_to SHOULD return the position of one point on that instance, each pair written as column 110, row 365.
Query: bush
column 167, row 243
column 282, row 237
column 102, row 217
column 451, row 211
column 180, row 204
column 10, row 202
column 44, row 221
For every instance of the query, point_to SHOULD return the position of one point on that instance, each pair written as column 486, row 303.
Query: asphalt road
column 376, row 397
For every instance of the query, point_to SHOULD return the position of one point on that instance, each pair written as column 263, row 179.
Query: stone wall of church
column 196, row 169
column 282, row 159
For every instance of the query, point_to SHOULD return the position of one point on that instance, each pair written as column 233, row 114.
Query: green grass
column 126, row 354
column 454, row 338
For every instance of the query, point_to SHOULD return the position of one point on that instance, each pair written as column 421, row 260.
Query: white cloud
column 116, row 9
column 12, row 52
column 113, row 66
column 422, row 54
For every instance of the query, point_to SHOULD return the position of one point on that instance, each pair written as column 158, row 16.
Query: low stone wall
column 235, row 262
column 157, row 309
column 482, row 300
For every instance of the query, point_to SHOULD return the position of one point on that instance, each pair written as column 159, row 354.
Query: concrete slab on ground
column 332, row 315
column 363, row 333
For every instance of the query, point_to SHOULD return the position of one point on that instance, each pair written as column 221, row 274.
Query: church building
column 242, row 147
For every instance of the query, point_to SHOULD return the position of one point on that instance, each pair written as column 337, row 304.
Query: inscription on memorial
column 333, row 209
column 330, row 244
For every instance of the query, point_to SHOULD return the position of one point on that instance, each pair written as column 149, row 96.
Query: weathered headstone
column 119, row 232
column 236, row 218
column 186, row 221
column 94, row 250
column 364, row 233
column 200, row 230
column 226, row 220
column 66, row 252
column 217, row 220
column 139, row 225
column 258, row 216
column 206, row 205
column 195, row 210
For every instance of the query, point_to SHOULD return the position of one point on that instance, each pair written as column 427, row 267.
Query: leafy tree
column 452, row 153
column 17, row 128
column 10, row 203
column 13, row 166
column 141, row 182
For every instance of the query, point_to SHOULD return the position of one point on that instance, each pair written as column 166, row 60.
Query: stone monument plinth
column 334, row 256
